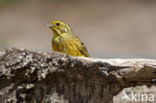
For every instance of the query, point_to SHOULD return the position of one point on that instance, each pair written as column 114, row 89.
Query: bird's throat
column 56, row 32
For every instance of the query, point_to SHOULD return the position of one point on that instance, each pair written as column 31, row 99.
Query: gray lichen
column 37, row 77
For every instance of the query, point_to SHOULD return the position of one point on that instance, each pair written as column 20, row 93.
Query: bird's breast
column 66, row 45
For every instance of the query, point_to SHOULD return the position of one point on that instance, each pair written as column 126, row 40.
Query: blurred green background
column 109, row 28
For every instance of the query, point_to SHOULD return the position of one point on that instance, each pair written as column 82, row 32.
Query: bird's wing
column 82, row 48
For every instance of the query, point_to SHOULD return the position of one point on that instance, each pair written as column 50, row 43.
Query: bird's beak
column 49, row 25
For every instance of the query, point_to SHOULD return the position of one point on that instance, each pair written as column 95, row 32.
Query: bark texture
column 36, row 77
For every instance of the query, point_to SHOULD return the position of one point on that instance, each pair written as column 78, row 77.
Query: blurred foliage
column 61, row 0
column 5, row 2
column 68, row 1
column 3, row 43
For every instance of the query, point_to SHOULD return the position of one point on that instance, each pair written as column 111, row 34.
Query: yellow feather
column 65, row 41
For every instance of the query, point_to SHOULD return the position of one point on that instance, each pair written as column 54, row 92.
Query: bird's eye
column 57, row 24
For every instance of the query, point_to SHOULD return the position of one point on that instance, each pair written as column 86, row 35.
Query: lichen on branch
column 38, row 77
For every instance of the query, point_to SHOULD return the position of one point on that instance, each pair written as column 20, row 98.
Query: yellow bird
column 65, row 41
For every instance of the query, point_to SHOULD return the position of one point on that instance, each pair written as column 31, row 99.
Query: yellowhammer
column 64, row 40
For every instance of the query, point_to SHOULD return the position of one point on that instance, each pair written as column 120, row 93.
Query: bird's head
column 59, row 27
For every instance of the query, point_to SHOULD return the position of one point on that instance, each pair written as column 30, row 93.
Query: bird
column 65, row 41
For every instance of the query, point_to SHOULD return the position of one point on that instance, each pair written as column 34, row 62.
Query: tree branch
column 33, row 77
